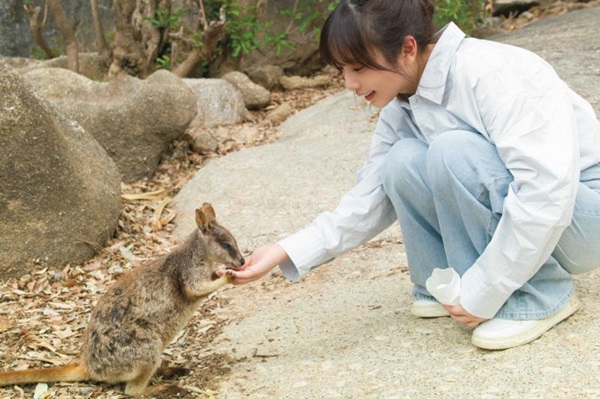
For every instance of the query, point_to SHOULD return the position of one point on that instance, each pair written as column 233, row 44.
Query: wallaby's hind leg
column 138, row 386
column 169, row 373
column 166, row 391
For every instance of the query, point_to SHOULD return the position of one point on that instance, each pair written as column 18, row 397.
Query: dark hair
column 356, row 28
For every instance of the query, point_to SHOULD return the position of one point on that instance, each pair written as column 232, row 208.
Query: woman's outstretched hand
column 259, row 263
column 459, row 314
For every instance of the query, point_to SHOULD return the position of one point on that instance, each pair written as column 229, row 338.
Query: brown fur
column 144, row 310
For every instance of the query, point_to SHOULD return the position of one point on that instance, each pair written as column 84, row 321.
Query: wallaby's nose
column 242, row 261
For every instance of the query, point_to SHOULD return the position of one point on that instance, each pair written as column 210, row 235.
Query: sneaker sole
column 428, row 312
column 531, row 334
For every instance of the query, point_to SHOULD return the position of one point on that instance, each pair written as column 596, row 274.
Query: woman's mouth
column 369, row 97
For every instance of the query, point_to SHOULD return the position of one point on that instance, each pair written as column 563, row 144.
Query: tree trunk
column 36, row 28
column 67, row 33
column 101, row 45
column 210, row 38
column 127, row 52
column 137, row 41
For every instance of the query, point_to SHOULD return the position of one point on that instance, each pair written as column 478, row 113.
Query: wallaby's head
column 220, row 245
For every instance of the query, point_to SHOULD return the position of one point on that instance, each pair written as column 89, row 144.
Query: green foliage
column 244, row 32
column 37, row 53
column 464, row 13
column 308, row 16
column 165, row 19
column 164, row 61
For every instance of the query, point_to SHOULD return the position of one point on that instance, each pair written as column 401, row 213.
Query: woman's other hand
column 459, row 314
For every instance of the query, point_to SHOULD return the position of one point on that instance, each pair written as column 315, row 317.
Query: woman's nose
column 350, row 81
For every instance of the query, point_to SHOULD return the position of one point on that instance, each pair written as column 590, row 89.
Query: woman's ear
column 409, row 47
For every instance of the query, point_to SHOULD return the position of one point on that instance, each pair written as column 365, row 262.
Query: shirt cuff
column 480, row 297
column 305, row 252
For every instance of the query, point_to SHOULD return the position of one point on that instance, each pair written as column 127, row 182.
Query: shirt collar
column 433, row 81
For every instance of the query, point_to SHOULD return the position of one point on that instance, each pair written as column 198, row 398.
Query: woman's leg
column 578, row 250
column 405, row 182
column 469, row 183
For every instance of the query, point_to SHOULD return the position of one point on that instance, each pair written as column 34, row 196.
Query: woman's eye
column 357, row 69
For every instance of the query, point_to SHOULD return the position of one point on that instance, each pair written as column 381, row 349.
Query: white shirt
column 544, row 132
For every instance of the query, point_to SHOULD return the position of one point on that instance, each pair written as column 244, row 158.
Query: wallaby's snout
column 221, row 246
column 239, row 263
column 233, row 260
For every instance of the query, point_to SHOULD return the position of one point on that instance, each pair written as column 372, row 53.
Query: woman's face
column 376, row 86
column 379, row 87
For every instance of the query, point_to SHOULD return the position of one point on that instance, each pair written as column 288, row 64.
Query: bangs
column 342, row 42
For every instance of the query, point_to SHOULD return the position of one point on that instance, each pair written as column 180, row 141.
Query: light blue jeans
column 454, row 231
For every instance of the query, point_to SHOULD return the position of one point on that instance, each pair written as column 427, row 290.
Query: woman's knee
column 463, row 156
column 401, row 165
column 454, row 150
column 578, row 250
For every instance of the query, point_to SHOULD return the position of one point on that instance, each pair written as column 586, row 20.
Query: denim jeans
column 439, row 234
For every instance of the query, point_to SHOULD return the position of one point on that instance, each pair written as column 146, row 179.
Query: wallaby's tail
column 68, row 373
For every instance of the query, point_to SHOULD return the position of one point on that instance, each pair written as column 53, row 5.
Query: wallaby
column 144, row 310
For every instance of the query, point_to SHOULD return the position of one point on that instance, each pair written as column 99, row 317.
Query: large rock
column 59, row 190
column 134, row 120
column 219, row 103
column 90, row 65
column 255, row 96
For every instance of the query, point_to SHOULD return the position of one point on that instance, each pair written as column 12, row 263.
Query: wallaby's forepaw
column 228, row 277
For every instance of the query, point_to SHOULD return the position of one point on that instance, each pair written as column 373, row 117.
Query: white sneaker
column 497, row 334
column 428, row 308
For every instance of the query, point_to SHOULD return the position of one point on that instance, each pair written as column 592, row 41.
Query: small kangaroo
column 144, row 310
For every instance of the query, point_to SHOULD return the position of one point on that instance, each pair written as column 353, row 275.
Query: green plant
column 243, row 29
column 307, row 15
column 164, row 61
column 37, row 53
column 165, row 19
column 464, row 13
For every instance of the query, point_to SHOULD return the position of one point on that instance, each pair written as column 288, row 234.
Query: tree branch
column 67, row 33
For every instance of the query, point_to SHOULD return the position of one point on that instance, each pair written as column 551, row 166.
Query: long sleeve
column 362, row 213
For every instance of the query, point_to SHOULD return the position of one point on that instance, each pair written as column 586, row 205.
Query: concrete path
column 345, row 330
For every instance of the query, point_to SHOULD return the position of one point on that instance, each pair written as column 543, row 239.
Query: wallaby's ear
column 202, row 220
column 209, row 211
column 205, row 217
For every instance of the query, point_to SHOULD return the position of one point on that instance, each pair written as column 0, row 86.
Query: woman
column 488, row 160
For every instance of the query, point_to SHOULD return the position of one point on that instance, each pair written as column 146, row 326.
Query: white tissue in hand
column 444, row 285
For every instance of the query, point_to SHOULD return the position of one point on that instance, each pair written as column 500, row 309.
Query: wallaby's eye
column 224, row 245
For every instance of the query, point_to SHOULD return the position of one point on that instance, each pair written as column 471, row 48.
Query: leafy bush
column 464, row 13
